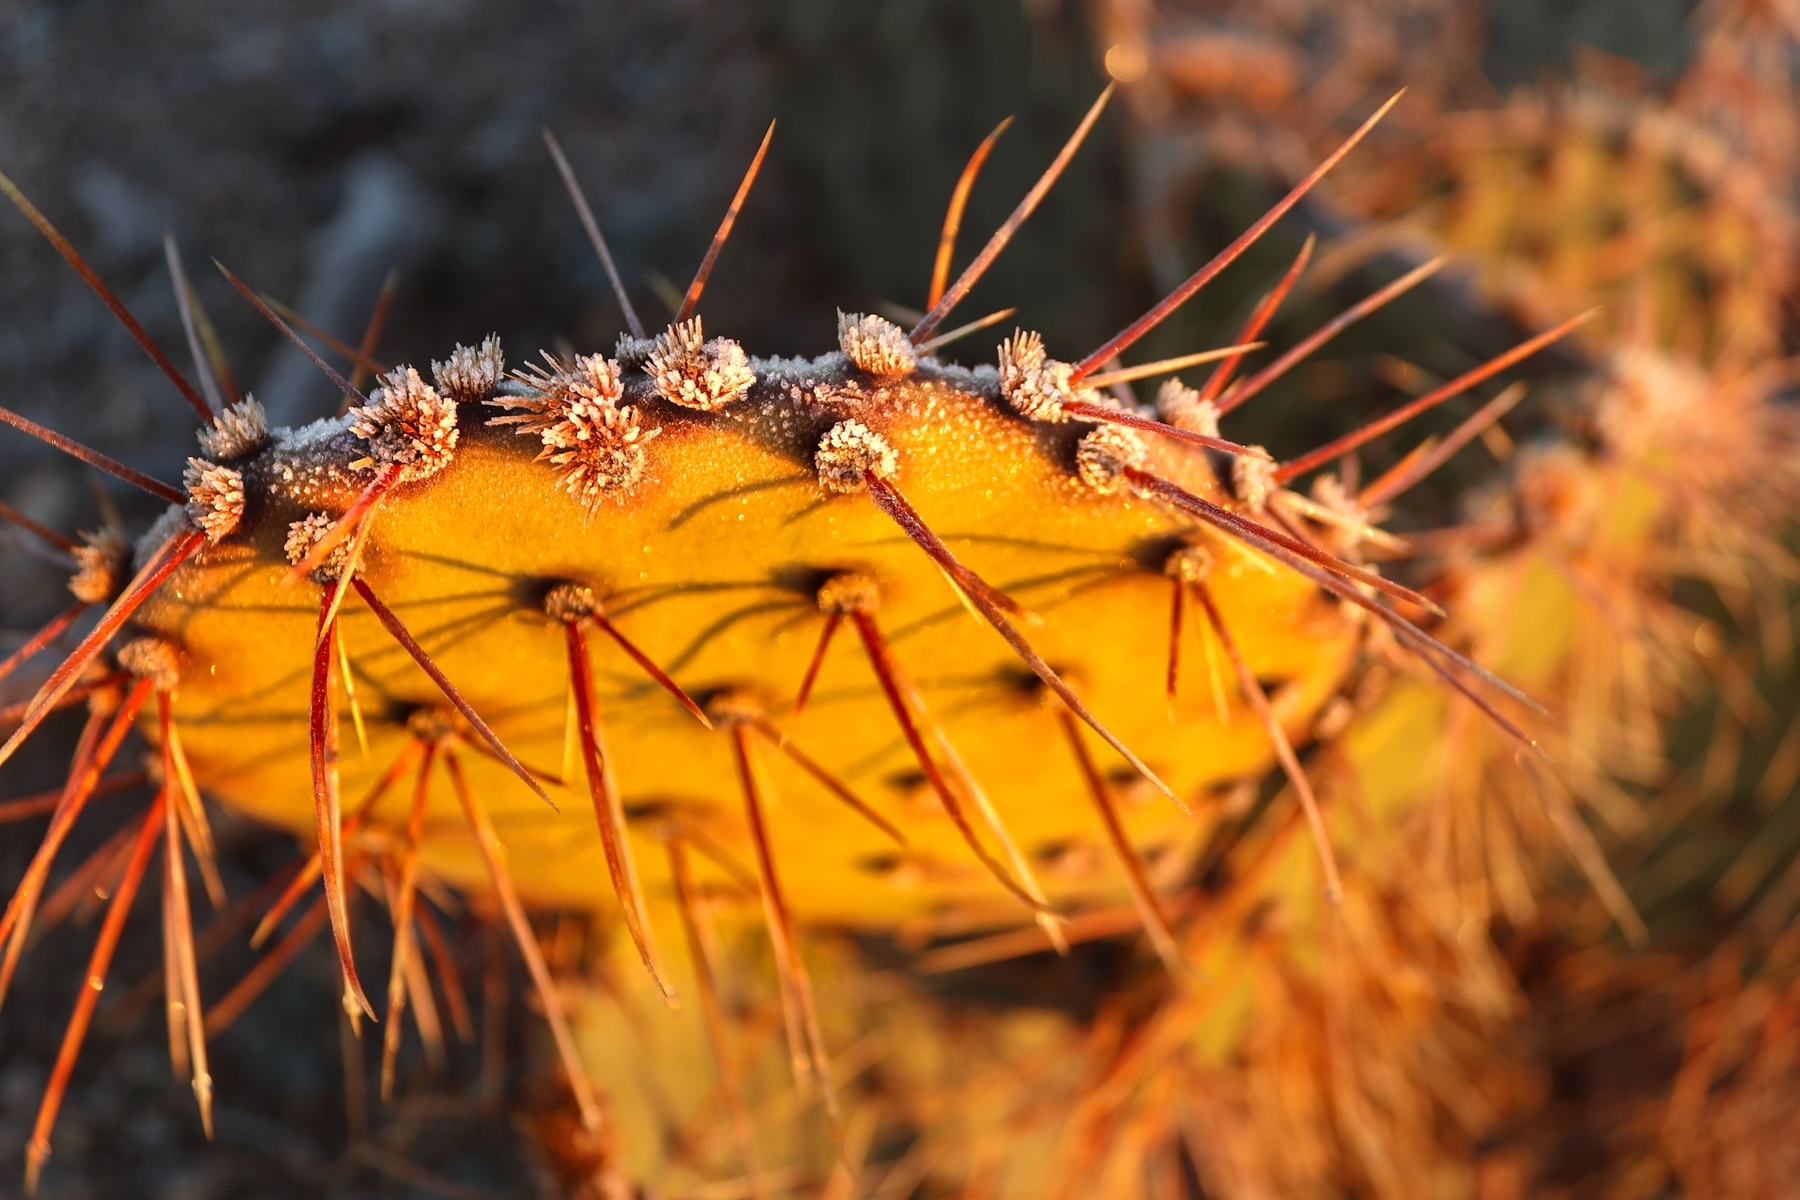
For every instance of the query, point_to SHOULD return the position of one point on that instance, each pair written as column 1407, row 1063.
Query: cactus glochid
column 869, row 642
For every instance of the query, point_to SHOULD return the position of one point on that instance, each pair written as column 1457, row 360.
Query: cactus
column 878, row 644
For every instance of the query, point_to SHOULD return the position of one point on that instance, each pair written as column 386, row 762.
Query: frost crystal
column 1179, row 405
column 1103, row 455
column 875, row 345
column 153, row 659
column 848, row 451
column 632, row 352
column 1253, row 478
column 471, row 375
column 238, row 432
column 1036, row 385
column 570, row 602
column 306, row 533
column 101, row 562
column 1190, row 564
column 849, row 592
column 215, row 497
column 407, row 423
column 694, row 373
column 596, row 443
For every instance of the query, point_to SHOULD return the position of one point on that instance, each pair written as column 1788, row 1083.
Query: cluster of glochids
column 611, row 433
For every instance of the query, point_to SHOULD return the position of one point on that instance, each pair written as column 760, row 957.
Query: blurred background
column 1635, row 153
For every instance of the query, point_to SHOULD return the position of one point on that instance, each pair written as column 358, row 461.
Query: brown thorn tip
column 692, row 299
column 571, row 603
column 244, row 290
column 806, row 1040
column 660, row 677
column 588, row 223
column 962, row 331
column 1329, row 330
column 493, row 853
column 1284, row 749
column 371, row 340
column 832, row 621
column 359, row 360
column 266, row 970
column 1407, row 412
column 953, row 215
column 1426, row 458
column 43, row 637
column 74, row 259
column 308, row 871
column 1260, row 316
column 1428, row 648
column 61, row 541
column 328, row 821
column 93, row 458
column 37, row 1150
column 609, row 813
column 185, row 302
column 1143, row 897
column 1169, row 366
column 976, row 269
column 1199, row 279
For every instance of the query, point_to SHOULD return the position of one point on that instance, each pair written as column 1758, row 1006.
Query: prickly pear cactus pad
column 716, row 553
column 912, row 770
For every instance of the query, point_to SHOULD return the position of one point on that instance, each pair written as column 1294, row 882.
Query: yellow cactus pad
column 710, row 564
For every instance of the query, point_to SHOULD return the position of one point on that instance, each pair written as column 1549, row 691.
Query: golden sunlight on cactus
column 801, row 688
column 712, row 563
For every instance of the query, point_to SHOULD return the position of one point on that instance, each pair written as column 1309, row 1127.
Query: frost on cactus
column 407, row 425
column 597, row 445
column 695, row 373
